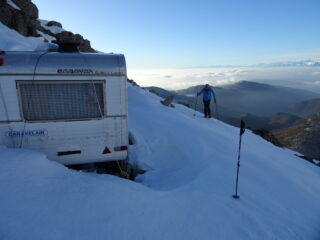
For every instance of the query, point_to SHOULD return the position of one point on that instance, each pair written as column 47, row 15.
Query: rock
column 28, row 8
column 84, row 44
column 54, row 23
column 267, row 136
column 24, row 21
column 167, row 101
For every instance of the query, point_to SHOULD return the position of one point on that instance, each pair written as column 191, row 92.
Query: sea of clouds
column 302, row 77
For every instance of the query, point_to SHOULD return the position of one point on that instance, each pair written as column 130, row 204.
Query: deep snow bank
column 10, row 40
column 186, row 193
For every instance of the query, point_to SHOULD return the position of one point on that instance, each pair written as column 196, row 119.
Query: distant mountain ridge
column 302, row 63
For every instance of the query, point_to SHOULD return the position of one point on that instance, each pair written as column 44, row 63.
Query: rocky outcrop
column 24, row 21
column 303, row 137
column 282, row 120
column 23, row 17
column 167, row 101
column 267, row 136
column 84, row 44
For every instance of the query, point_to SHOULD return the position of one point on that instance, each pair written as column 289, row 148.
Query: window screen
column 59, row 101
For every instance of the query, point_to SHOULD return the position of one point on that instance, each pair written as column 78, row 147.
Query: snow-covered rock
column 52, row 29
column 46, row 37
column 22, row 16
column 185, row 194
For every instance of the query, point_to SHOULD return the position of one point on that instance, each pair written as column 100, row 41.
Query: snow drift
column 185, row 194
column 10, row 40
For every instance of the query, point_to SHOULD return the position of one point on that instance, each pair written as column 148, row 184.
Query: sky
column 173, row 34
column 158, row 35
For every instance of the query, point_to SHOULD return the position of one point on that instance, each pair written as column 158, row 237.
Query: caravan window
column 56, row 100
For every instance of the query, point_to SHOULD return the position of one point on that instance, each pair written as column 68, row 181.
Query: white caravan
column 70, row 106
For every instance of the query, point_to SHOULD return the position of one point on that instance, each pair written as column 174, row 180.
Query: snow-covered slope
column 10, row 40
column 185, row 194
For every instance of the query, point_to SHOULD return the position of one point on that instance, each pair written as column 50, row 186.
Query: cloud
column 313, row 83
column 303, row 77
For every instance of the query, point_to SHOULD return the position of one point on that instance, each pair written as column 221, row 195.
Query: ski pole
column 195, row 106
column 215, row 101
column 242, row 130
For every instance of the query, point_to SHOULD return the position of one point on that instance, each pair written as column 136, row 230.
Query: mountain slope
column 282, row 120
column 305, row 109
column 185, row 194
column 303, row 137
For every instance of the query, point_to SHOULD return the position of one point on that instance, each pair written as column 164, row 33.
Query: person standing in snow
column 207, row 94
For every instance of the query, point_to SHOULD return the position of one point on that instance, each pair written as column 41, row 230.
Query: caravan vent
column 61, row 101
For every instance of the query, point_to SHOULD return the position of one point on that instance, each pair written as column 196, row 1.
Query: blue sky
column 176, row 34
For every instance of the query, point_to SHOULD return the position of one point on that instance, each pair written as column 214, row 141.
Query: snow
column 46, row 36
column 11, row 40
column 316, row 161
column 53, row 29
column 12, row 4
column 185, row 194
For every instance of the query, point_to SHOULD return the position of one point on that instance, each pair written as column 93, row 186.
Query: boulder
column 28, row 8
column 23, row 21
column 167, row 101
column 54, row 23
column 84, row 44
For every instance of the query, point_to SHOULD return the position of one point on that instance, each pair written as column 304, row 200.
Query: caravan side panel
column 9, row 105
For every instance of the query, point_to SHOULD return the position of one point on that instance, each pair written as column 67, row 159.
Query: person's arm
column 199, row 93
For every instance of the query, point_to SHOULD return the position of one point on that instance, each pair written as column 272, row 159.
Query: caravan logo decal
column 31, row 133
column 71, row 71
column 74, row 71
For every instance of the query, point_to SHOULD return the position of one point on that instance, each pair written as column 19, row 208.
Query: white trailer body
column 70, row 106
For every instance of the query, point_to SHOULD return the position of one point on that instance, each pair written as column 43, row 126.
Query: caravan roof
column 51, row 63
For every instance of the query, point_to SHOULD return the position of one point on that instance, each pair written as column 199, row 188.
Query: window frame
column 104, row 92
